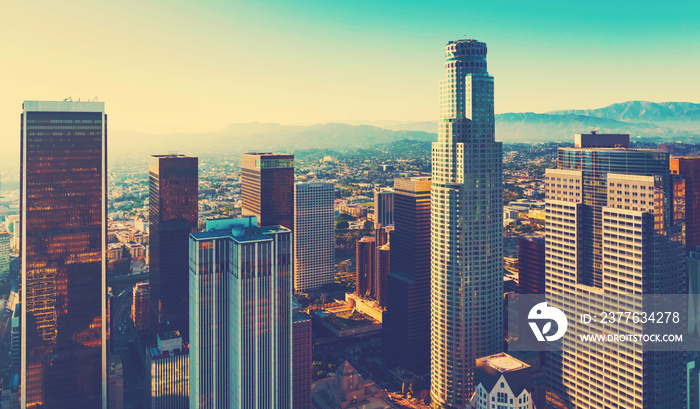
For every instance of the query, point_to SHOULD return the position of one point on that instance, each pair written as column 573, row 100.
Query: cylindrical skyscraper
column 467, row 227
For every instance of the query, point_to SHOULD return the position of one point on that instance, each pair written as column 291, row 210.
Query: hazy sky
column 164, row 66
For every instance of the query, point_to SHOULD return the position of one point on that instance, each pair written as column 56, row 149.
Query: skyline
column 177, row 67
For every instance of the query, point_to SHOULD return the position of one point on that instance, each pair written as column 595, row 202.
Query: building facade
column 610, row 231
column 314, row 236
column 267, row 188
column 140, row 310
column 173, row 210
column 689, row 169
column 502, row 382
column 383, row 206
column 241, row 316
column 5, row 238
column 365, row 266
column 406, row 320
column 467, row 227
column 531, row 265
column 63, row 204
column 301, row 358
column 169, row 365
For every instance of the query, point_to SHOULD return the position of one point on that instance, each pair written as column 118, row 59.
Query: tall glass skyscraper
column 63, row 239
column 467, row 227
column 172, row 216
column 267, row 188
column 241, row 316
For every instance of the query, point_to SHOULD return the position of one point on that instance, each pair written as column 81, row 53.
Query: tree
column 342, row 225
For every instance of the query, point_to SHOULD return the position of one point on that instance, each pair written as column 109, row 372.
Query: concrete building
column 63, row 206
column 467, row 227
column 314, row 236
column 347, row 390
column 611, row 234
column 241, row 316
column 140, row 306
column 5, row 238
column 531, row 265
column 169, row 365
column 301, row 358
column 365, row 265
column 267, row 188
column 383, row 206
column 382, row 271
column 405, row 337
column 173, row 211
column 502, row 382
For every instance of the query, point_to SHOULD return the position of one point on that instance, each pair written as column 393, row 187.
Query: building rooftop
column 169, row 335
column 240, row 229
column 63, row 106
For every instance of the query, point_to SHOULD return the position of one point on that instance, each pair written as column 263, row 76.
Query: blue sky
column 164, row 66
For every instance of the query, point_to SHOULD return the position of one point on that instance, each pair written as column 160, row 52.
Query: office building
column 172, row 216
column 689, row 169
column 467, row 227
column 63, row 204
column 241, row 315
column 5, row 238
column 502, row 382
column 365, row 265
column 301, row 358
column 405, row 328
column 381, row 276
column 314, row 236
column 611, row 235
column 15, row 338
column 531, row 265
column 267, row 188
column 169, row 365
column 383, row 206
column 140, row 310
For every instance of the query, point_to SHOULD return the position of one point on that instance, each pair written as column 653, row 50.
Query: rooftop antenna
column 68, row 99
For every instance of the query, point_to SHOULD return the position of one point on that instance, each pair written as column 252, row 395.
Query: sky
column 183, row 66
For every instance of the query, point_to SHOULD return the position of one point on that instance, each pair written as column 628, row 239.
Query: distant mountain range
column 642, row 111
column 655, row 122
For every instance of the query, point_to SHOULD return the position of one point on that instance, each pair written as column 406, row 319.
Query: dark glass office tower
column 689, row 169
column 63, row 237
column 172, row 217
column 531, row 265
column 406, row 325
column 267, row 188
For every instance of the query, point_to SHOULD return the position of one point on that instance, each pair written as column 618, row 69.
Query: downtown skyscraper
column 172, row 216
column 405, row 339
column 63, row 212
column 467, row 227
column 241, row 316
column 314, row 235
column 267, row 188
column 612, row 238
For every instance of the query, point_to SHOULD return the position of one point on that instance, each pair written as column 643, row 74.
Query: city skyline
column 187, row 68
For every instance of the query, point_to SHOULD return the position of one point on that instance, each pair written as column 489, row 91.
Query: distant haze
column 667, row 121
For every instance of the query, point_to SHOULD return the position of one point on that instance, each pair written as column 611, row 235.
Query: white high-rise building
column 314, row 235
column 240, row 311
column 5, row 254
column 466, row 224
column 610, row 239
